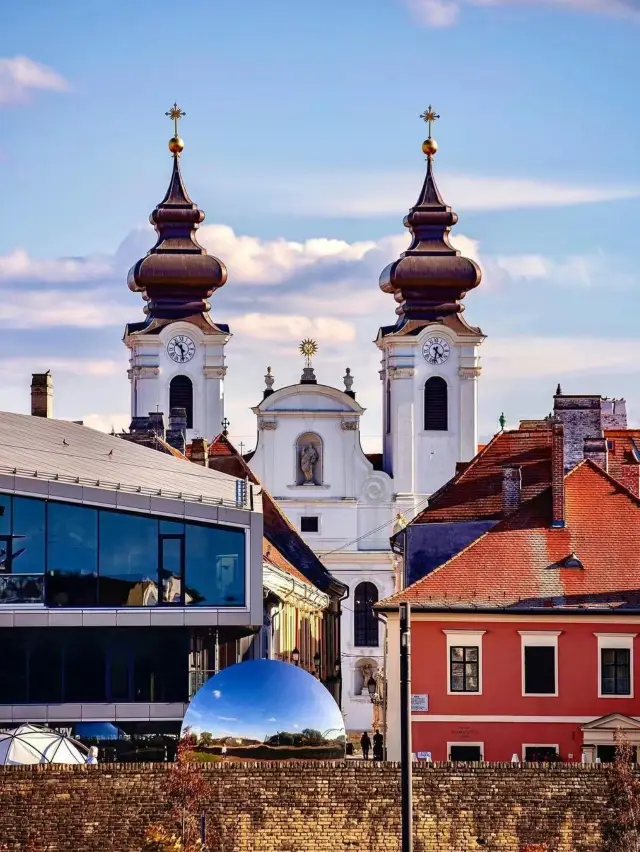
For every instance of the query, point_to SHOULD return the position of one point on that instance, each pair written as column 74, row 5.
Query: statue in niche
column 308, row 460
column 368, row 669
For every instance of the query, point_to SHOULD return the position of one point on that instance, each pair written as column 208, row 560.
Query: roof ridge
column 606, row 475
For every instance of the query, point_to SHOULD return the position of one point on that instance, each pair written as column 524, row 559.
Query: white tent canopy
column 30, row 744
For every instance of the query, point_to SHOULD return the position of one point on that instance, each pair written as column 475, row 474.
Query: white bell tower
column 430, row 358
column 177, row 353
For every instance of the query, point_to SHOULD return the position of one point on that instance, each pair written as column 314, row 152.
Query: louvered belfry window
column 181, row 396
column 435, row 405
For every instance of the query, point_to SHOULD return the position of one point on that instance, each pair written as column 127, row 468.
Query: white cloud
column 254, row 261
column 61, row 308
column 445, row 13
column 217, row 693
column 18, row 265
column 16, row 368
column 118, row 421
column 20, row 75
column 293, row 328
column 369, row 194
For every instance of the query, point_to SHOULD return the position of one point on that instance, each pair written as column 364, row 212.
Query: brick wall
column 312, row 807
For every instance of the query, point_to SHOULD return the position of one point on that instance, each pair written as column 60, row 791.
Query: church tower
column 430, row 361
column 177, row 353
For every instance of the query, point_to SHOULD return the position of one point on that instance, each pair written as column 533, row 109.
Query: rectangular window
column 28, row 536
column 128, row 560
column 309, row 524
column 540, row 753
column 539, row 670
column 464, row 661
column 615, row 668
column 215, row 566
column 466, row 753
column 72, row 555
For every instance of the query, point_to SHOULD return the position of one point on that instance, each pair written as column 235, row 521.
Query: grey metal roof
column 60, row 450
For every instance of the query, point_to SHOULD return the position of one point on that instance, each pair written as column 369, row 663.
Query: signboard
column 419, row 703
column 424, row 755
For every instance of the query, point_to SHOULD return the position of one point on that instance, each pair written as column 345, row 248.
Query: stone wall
column 312, row 807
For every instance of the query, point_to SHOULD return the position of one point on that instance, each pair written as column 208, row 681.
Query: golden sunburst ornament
column 308, row 348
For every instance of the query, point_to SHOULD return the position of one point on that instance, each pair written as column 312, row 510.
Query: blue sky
column 303, row 148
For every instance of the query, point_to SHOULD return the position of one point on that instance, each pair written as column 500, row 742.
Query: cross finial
column 175, row 114
column 225, row 426
column 241, row 445
column 429, row 116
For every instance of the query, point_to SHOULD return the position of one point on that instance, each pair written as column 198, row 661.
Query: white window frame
column 468, row 638
column 481, row 746
column 525, row 746
column 305, row 515
column 539, row 639
column 612, row 641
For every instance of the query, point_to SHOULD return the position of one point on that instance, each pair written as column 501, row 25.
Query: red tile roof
column 517, row 564
column 475, row 493
column 623, row 457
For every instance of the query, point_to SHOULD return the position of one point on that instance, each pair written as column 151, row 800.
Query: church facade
column 344, row 503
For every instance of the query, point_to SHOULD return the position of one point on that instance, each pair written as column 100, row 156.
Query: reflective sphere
column 261, row 710
column 176, row 145
column 429, row 147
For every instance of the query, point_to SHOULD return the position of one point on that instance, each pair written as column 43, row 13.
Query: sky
column 303, row 138
column 260, row 698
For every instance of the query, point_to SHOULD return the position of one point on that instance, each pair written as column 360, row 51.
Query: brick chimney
column 176, row 433
column 156, row 423
column 42, row 395
column 200, row 452
column 511, row 489
column 596, row 450
column 557, row 475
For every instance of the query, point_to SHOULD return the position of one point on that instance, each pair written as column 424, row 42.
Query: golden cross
column 175, row 114
column 429, row 115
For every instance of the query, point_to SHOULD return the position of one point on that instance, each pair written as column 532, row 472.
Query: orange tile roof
column 623, row 456
column 272, row 555
column 475, row 493
column 518, row 563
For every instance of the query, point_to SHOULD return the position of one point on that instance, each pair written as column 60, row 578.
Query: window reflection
column 215, row 566
column 21, row 589
column 72, row 555
column 28, row 536
column 128, row 560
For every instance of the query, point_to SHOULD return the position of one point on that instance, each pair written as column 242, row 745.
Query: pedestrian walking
column 378, row 745
column 365, row 745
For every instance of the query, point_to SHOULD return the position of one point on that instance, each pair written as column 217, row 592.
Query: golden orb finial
column 176, row 144
column 429, row 146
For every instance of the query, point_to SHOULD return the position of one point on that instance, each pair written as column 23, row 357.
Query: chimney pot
column 511, row 489
column 42, row 395
column 156, row 423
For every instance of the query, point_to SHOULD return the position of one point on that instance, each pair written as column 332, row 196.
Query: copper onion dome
column 176, row 276
column 430, row 278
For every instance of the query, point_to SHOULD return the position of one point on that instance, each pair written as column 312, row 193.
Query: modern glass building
column 127, row 577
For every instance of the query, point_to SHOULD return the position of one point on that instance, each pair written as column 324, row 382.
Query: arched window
column 181, row 396
column 365, row 624
column 435, row 405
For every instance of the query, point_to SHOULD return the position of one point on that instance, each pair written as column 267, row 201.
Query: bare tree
column 621, row 831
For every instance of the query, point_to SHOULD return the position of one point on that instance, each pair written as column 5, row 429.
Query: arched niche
column 309, row 459
column 365, row 669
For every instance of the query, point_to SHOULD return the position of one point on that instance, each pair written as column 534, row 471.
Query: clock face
column 436, row 350
column 181, row 348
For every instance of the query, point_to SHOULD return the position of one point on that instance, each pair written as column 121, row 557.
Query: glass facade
column 67, row 555
column 53, row 665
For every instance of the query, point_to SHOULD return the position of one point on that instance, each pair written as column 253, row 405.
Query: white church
column 345, row 503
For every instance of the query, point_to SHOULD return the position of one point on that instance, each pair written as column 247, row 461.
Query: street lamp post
column 405, row 727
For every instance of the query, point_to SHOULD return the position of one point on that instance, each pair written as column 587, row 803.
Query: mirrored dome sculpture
column 264, row 710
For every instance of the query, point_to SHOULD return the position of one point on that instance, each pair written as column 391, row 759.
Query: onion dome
column 430, row 278
column 177, row 276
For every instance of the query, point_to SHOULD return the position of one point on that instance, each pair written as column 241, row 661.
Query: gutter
column 509, row 611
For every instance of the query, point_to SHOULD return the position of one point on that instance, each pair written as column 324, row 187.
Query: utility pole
column 405, row 727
